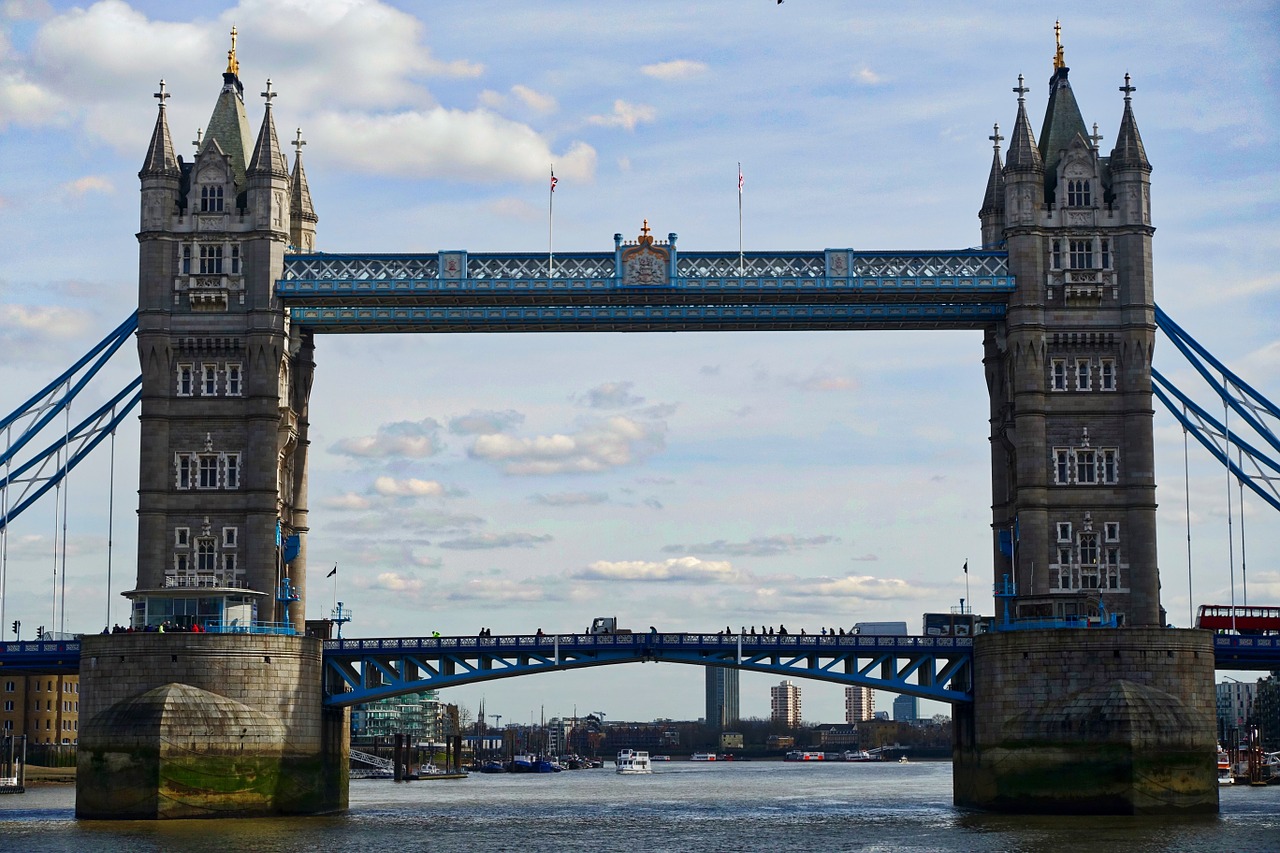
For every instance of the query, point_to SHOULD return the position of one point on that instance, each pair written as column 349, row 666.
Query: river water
column 684, row 807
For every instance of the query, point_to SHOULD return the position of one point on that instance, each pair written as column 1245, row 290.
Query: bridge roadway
column 363, row 670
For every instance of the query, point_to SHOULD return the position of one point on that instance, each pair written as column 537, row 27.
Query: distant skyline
column 686, row 481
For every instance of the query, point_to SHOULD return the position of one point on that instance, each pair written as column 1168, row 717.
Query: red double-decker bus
column 1224, row 618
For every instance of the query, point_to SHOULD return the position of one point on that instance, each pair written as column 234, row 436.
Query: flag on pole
column 740, row 179
column 966, row 567
column 334, row 572
column 554, row 180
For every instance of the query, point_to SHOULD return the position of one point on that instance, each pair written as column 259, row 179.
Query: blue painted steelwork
column 49, row 656
column 364, row 670
column 1232, row 651
column 218, row 626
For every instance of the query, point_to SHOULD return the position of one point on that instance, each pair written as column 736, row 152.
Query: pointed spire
column 267, row 156
column 1062, row 119
column 228, row 127
column 993, row 200
column 1129, row 153
column 160, row 159
column 300, row 202
column 1023, row 154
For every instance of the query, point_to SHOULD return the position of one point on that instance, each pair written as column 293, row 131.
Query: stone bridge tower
column 222, row 510
column 1069, row 370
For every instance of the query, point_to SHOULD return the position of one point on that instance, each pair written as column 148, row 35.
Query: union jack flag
column 554, row 180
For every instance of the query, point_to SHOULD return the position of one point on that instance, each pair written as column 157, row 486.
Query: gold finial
column 233, row 65
column 1058, row 61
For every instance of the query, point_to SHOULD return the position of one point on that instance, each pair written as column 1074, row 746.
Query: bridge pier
column 1089, row 721
column 178, row 725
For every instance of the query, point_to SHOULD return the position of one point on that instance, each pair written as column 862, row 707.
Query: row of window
column 211, row 258
column 203, row 379
column 67, row 686
column 1087, row 561
column 211, row 198
column 1083, row 372
column 1080, row 253
column 1086, row 466
column 207, row 470
column 1079, row 193
column 182, row 537
column 68, row 706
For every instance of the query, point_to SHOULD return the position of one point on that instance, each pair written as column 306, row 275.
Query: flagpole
column 551, row 200
column 741, row 269
column 335, row 586
column 966, row 582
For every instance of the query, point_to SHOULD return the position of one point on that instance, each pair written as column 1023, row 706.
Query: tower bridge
column 234, row 292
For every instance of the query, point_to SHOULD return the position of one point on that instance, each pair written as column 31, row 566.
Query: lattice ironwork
column 595, row 265
column 754, row 265
column 337, row 268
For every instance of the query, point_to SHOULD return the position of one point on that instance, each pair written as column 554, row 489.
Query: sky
column 687, row 481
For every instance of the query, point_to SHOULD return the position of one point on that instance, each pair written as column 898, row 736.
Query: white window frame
column 207, row 471
column 229, row 564
column 1079, row 192
column 186, row 259
column 1104, row 248
column 182, row 537
column 184, row 475
column 1111, row 531
column 206, row 551
column 230, row 537
column 1086, row 467
column 1062, row 466
column 186, row 380
column 1080, row 254
column 181, row 564
column 1084, row 374
column 211, row 259
column 1064, row 531
column 235, row 380
column 209, row 380
column 1109, row 472
column 235, row 259
column 230, row 469
column 1107, row 374
column 1058, row 374
column 1056, row 255
column 212, row 197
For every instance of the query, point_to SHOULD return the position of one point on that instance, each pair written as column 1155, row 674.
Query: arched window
column 1078, row 194
column 211, row 199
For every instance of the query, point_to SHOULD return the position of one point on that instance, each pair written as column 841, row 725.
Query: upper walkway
column 646, row 286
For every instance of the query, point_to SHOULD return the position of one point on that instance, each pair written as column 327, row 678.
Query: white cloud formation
column 398, row 583
column 477, row 422
column 625, row 115
column 675, row 569
column 488, row 541
column 676, row 69
column 866, row 76
column 764, row 546
column 81, row 187
column 598, row 447
column 407, row 488
column 346, row 501
column 498, row 591
column 535, row 100
column 409, row 439
column 612, row 395
column 571, row 499
column 28, row 104
column 850, row 587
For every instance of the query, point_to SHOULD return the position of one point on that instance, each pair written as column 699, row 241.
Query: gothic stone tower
column 225, row 379
column 228, row 722
column 1079, row 720
column 1069, row 371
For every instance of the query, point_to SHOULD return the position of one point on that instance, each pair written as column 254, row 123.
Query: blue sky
column 809, row 479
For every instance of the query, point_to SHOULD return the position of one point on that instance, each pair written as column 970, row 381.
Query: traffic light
column 16, row 626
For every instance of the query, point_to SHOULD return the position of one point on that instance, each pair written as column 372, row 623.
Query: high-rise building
column 859, row 704
column 1234, row 705
column 722, row 696
column 784, row 704
column 906, row 709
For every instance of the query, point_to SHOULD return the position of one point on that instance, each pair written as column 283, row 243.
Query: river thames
column 691, row 808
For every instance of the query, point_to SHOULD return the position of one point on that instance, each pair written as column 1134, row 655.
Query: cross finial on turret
column 1096, row 137
column 298, row 142
column 1021, row 89
column 995, row 136
column 1058, row 61
column 233, row 64
column 645, row 229
column 269, row 94
column 162, row 94
column 1127, row 88
column 199, row 140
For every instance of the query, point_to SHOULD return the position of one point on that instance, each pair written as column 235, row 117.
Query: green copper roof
column 230, row 127
column 1062, row 120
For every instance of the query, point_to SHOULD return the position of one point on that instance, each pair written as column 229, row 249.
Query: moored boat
column 804, row 755
column 633, row 761
column 703, row 756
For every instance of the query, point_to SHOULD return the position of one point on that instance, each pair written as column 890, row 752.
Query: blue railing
column 217, row 626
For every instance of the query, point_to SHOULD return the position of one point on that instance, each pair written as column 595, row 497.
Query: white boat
column 703, row 756
column 633, row 761
column 857, row 755
column 1224, row 768
column 804, row 755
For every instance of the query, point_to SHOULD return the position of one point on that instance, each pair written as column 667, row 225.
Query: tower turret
column 160, row 175
column 992, row 211
column 302, row 216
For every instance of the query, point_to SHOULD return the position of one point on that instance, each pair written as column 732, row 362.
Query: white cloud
column 28, row 104
column 346, row 501
column 764, row 546
column 534, row 100
column 396, row 582
column 571, row 499
column 408, row 488
column 478, row 422
column 409, row 439
column 483, row 589
column 866, row 76
column 676, row 69
column 850, row 587
column 598, row 447
column 81, row 187
column 449, row 144
column 625, row 115
column 489, row 541
column 675, row 569
column 612, row 395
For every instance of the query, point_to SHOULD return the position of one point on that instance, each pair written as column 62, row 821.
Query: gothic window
column 182, row 537
column 186, row 380
column 1078, row 194
column 228, row 568
column 1110, row 468
column 1105, row 247
column 184, row 471
column 1059, row 380
column 181, row 565
column 229, row 537
column 211, row 260
column 208, row 471
column 233, row 380
column 186, row 259
column 1064, row 534
column 1081, row 254
column 1086, row 467
column 1088, row 549
column 211, row 199
column 235, row 259
column 206, row 557
column 1107, row 374
column 1057, row 254
column 1111, row 531
column 1083, row 378
column 1113, row 568
column 231, row 471
column 209, row 379
column 1062, row 475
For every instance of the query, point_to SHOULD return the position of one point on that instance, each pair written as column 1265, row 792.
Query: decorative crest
column 162, row 94
column 208, row 442
column 1058, row 61
column 646, row 263
column 269, row 95
column 1021, row 90
column 645, row 236
column 1127, row 88
column 233, row 64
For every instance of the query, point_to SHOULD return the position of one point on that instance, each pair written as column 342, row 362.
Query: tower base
column 1089, row 721
column 178, row 725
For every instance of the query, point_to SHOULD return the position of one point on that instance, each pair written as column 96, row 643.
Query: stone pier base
column 1089, row 721
column 180, row 725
